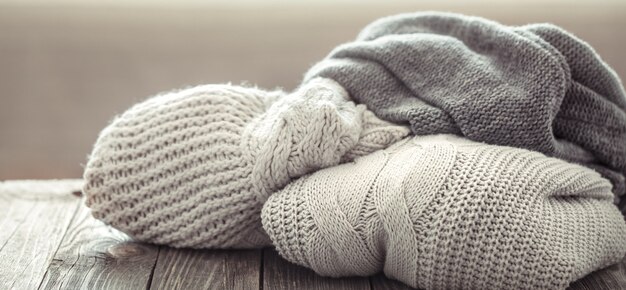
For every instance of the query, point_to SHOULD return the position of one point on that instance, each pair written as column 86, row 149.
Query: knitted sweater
column 535, row 86
column 193, row 168
column 441, row 212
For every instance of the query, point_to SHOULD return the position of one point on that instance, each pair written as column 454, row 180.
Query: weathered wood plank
column 380, row 282
column 34, row 217
column 203, row 269
column 280, row 274
column 95, row 256
column 612, row 277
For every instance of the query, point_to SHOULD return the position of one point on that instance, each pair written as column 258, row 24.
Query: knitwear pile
column 193, row 168
column 536, row 86
column 508, row 180
column 441, row 212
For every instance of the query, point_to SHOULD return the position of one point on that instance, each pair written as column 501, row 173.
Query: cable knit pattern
column 441, row 212
column 536, row 87
column 193, row 168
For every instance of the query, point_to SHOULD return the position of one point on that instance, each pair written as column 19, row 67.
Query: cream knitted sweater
column 193, row 168
column 441, row 212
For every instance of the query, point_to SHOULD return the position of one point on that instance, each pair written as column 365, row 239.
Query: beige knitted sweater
column 441, row 212
column 193, row 168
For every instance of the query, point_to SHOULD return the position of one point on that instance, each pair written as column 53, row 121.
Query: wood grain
column 612, row 277
column 203, row 269
column 380, row 282
column 33, row 226
column 95, row 256
column 280, row 274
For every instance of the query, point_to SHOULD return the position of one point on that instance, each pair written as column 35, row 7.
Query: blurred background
column 67, row 67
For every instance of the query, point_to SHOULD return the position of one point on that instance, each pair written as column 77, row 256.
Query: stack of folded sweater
column 444, row 150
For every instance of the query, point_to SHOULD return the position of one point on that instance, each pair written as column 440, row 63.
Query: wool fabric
column 536, row 86
column 443, row 212
column 193, row 168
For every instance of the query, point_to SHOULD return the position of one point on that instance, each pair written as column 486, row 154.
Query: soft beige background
column 66, row 69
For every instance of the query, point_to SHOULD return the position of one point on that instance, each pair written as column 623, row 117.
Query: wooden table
column 48, row 240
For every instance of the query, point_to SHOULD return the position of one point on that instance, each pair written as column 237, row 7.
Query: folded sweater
column 535, row 87
column 192, row 168
column 443, row 212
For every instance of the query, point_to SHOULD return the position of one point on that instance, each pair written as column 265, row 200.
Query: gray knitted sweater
column 535, row 87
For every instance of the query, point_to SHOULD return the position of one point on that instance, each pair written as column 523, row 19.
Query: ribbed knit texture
column 193, row 168
column 441, row 212
column 536, row 86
